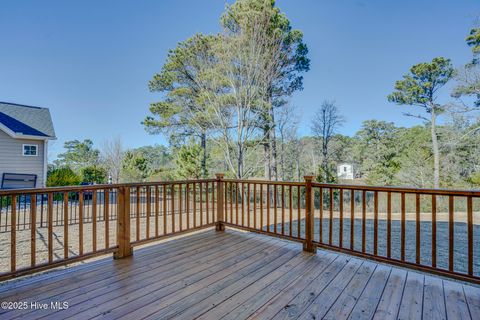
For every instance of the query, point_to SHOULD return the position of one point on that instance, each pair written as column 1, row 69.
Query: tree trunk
column 203, row 144
column 436, row 153
column 325, row 160
column 266, row 153
column 240, row 163
column 282, row 156
column 273, row 144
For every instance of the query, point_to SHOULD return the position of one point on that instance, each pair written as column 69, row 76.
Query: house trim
column 17, row 135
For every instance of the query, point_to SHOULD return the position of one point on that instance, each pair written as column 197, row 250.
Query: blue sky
column 90, row 61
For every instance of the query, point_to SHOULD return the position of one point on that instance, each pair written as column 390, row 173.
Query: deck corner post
column 123, row 224
column 308, row 245
column 219, row 225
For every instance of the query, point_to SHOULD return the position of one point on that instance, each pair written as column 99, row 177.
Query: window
column 30, row 150
column 344, row 169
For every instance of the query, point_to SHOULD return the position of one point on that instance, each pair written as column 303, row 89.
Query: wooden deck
column 236, row 275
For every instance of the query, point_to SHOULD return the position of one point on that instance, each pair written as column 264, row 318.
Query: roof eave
column 17, row 135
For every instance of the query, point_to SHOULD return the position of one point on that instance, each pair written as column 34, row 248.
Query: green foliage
column 134, row 167
column 189, row 161
column 376, row 151
column 420, row 85
column 473, row 40
column 245, row 14
column 327, row 176
column 78, row 154
column 414, row 157
column 94, row 174
column 181, row 111
column 145, row 162
column 63, row 176
column 475, row 179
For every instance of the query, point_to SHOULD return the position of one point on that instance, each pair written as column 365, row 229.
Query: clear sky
column 90, row 61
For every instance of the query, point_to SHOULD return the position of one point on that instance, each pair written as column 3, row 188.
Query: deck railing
column 430, row 230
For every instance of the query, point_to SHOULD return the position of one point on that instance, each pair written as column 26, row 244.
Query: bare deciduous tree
column 325, row 124
column 112, row 155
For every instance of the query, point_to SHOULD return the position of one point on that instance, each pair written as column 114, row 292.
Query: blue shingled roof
column 19, row 127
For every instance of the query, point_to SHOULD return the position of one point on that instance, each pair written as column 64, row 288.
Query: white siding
column 13, row 161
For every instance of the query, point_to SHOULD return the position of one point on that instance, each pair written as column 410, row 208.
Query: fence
column 430, row 230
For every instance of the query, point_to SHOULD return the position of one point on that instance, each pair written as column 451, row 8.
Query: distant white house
column 24, row 135
column 345, row 171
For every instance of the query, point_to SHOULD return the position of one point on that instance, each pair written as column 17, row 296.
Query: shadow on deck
column 236, row 275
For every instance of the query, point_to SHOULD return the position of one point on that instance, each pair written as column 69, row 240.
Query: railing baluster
column 180, row 214
column 200, row 194
column 195, row 205
column 340, row 227
column 137, row 212
column 206, row 203
column 248, row 205
column 33, row 234
column 290, row 207
column 352, row 219
column 299, row 212
column 172, row 206
column 50, row 227
column 364, row 218
column 283, row 209
column 187, row 201
column 157, row 210
column 225, row 201
column 94, row 221
column 375, row 222
column 261, row 206
column 236, row 204
column 451, row 233
column 80, row 223
column 275, row 218
column 164, row 202
column 330, row 225
column 320, row 233
column 242, row 195
column 13, row 234
column 148, row 194
column 417, row 228
column 470, row 234
column 402, row 228
column 434, row 231
column 213, row 202
column 268, row 208
column 389, row 224
column 106, row 215
column 254, row 206
column 231, row 202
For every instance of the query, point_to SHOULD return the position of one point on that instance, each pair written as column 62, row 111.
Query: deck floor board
column 239, row 275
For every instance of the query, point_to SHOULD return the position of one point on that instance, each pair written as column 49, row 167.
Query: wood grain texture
column 238, row 275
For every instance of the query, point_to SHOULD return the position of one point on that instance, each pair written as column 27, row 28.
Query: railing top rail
column 445, row 192
column 6, row 192
column 282, row 183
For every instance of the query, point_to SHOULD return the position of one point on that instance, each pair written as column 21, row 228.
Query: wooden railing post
column 123, row 223
column 309, row 217
column 219, row 225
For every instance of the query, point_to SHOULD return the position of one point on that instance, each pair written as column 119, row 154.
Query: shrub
column 62, row 177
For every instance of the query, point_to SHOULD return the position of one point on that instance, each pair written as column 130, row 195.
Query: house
column 24, row 135
column 345, row 171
